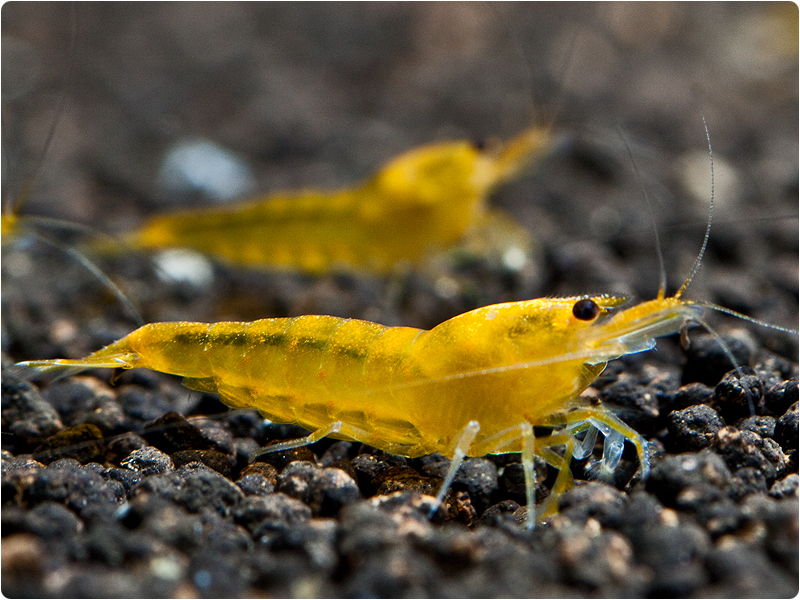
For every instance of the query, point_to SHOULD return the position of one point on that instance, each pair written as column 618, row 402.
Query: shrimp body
column 421, row 202
column 473, row 385
column 8, row 225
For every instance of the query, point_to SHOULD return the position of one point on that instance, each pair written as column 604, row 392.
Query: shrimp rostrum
column 476, row 384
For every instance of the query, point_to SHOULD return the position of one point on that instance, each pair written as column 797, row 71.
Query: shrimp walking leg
column 613, row 446
column 607, row 424
column 529, row 468
column 564, row 481
column 337, row 427
column 463, row 443
column 586, row 446
column 523, row 433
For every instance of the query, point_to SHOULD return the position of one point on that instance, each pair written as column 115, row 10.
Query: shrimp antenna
column 561, row 86
column 662, row 281
column 699, row 259
column 743, row 317
column 729, row 354
column 526, row 59
column 27, row 187
column 97, row 272
column 523, row 55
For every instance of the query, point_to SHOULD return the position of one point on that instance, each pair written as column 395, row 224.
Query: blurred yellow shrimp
column 421, row 202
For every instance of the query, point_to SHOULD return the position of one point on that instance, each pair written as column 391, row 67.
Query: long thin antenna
column 548, row 121
column 98, row 273
column 561, row 85
column 662, row 280
column 15, row 204
column 699, row 258
column 513, row 36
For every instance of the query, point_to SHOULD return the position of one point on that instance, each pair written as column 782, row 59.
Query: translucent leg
column 506, row 441
column 563, row 482
column 529, row 468
column 315, row 436
column 464, row 441
column 584, row 448
column 601, row 426
column 612, row 453
column 607, row 423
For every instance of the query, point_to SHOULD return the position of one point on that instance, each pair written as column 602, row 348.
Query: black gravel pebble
column 786, row 487
column 126, row 477
column 637, row 405
column 398, row 479
column 326, row 491
column 739, row 397
column 512, row 481
column 367, row 468
column 502, row 511
column 594, row 500
column 48, row 521
column 692, row 394
column 148, row 461
column 707, row 362
column 255, row 484
column 673, row 475
column 71, row 399
column 280, row 460
column 267, row 471
column 762, row 425
column 81, row 490
column 781, row 396
column 27, row 416
column 743, row 571
column 18, row 474
column 198, row 487
column 173, row 432
column 745, row 481
column 23, row 568
column 218, row 461
column 82, row 442
column 694, row 428
column 747, row 449
column 121, row 446
column 676, row 553
column 786, row 429
column 476, row 476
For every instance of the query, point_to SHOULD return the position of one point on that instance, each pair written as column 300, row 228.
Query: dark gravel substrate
column 143, row 489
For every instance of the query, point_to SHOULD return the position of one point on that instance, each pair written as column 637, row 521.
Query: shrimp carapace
column 474, row 385
column 421, row 202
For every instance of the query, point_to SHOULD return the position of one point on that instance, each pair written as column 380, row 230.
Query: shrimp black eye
column 586, row 309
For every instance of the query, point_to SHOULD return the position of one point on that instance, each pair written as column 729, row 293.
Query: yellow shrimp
column 473, row 385
column 421, row 202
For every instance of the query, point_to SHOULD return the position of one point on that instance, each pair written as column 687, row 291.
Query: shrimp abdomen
column 328, row 369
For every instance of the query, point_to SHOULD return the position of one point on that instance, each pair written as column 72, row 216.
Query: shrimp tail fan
column 110, row 357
